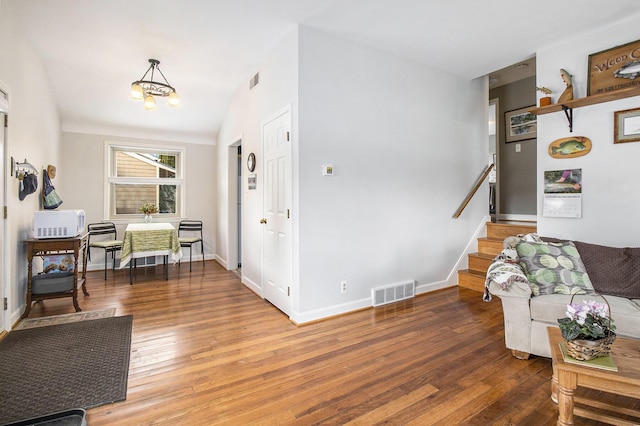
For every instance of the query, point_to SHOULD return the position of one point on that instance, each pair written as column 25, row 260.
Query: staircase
column 488, row 248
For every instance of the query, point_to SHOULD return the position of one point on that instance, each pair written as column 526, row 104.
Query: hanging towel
column 49, row 195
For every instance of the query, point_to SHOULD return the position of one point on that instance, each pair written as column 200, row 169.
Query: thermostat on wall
column 327, row 170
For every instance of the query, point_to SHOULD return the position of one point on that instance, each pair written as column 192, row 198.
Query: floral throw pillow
column 553, row 268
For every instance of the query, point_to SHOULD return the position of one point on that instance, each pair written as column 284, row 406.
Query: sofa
column 536, row 277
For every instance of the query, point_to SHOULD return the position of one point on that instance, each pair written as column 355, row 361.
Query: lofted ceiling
column 93, row 49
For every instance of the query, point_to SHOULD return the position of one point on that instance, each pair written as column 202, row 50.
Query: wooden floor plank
column 206, row 350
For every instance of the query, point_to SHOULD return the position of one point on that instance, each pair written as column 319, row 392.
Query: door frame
column 4, row 109
column 233, row 222
column 496, row 153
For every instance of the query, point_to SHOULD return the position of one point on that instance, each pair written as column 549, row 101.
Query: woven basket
column 584, row 350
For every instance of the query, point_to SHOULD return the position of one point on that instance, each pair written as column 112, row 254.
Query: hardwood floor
column 208, row 351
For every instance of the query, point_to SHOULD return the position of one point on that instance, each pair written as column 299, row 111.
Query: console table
column 55, row 246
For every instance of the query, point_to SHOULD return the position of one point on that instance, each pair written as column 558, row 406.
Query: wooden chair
column 109, row 245
column 193, row 231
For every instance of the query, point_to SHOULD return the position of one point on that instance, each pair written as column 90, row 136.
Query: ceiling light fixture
column 146, row 90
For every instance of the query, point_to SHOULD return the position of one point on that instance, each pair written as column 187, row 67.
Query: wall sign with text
column 614, row 69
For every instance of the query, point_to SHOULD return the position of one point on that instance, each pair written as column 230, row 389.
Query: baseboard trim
column 221, row 261
column 304, row 318
column 253, row 286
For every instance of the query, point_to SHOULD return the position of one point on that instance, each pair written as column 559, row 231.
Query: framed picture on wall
column 627, row 126
column 520, row 124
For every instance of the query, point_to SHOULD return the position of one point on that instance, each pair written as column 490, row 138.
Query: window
column 139, row 175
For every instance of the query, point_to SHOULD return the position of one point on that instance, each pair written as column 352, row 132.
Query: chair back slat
column 190, row 226
column 102, row 228
column 109, row 245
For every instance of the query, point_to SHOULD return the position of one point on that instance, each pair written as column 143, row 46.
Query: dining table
column 150, row 239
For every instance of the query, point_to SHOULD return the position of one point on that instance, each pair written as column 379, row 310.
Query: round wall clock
column 251, row 162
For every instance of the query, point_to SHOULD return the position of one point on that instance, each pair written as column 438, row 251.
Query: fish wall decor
column 574, row 146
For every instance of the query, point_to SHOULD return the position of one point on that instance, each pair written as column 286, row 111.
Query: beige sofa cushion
column 625, row 312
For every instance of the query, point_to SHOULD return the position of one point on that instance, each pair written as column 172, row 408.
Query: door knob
column 263, row 221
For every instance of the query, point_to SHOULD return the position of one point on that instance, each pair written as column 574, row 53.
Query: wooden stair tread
column 483, row 255
column 503, row 230
column 489, row 247
column 492, row 239
column 474, row 273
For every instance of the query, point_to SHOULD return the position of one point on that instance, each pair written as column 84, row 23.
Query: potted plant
column 148, row 209
column 588, row 329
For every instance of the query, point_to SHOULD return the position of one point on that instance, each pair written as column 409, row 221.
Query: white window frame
column 109, row 168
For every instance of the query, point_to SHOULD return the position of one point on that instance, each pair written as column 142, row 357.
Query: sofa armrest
column 515, row 289
column 517, row 315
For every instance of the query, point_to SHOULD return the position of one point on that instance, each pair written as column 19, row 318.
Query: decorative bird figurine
column 567, row 95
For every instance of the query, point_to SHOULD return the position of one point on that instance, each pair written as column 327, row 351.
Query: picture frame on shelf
column 520, row 124
column 626, row 126
column 614, row 69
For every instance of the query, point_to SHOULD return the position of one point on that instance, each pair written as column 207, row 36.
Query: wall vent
column 393, row 293
column 143, row 261
column 254, row 81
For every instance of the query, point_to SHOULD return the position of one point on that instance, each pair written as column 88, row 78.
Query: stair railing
column 473, row 191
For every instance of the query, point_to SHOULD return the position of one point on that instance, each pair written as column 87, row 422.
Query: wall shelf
column 568, row 107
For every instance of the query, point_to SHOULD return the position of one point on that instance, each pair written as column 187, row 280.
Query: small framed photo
column 520, row 124
column 627, row 126
column 252, row 181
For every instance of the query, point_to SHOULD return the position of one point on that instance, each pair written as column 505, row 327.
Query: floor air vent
column 145, row 261
column 393, row 293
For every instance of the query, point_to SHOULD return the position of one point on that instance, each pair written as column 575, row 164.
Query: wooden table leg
column 84, row 289
column 567, row 384
column 75, row 300
column 554, row 385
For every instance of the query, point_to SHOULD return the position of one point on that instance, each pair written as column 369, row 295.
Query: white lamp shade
column 136, row 92
column 174, row 100
column 149, row 103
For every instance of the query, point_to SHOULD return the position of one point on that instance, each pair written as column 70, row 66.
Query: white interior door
column 277, row 250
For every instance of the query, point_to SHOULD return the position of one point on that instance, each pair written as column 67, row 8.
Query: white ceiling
column 93, row 49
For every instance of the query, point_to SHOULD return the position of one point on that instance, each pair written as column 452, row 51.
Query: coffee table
column 567, row 377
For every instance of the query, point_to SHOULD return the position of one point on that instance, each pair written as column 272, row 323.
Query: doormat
column 65, row 318
column 46, row 370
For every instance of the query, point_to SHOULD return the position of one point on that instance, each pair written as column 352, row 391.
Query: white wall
column 33, row 133
column 610, row 171
column 277, row 89
column 407, row 143
column 81, row 174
